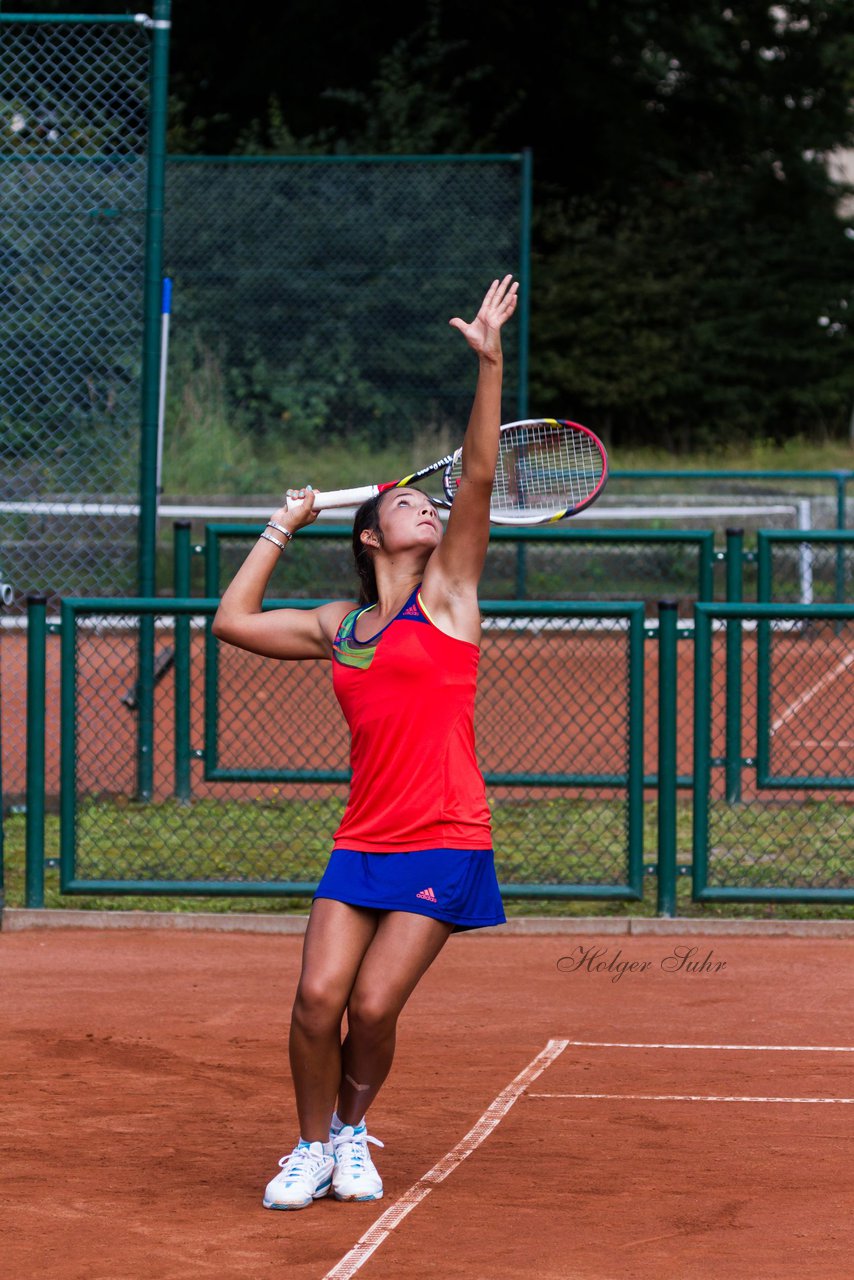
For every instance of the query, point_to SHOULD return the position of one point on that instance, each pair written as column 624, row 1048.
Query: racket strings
column 545, row 468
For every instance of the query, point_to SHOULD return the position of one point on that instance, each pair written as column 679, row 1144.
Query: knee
column 371, row 1015
column 316, row 1011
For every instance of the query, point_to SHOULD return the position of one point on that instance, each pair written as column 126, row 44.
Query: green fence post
column 667, row 709
column 68, row 753
column 152, row 296
column 840, row 550
column 634, row 787
column 702, row 765
column 36, row 681
column 734, row 595
column 151, row 351
column 524, row 317
column 211, row 676
column 182, row 663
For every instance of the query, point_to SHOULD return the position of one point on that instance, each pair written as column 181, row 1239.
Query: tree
column 693, row 272
column 708, row 297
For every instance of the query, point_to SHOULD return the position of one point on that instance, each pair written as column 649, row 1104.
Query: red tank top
column 408, row 697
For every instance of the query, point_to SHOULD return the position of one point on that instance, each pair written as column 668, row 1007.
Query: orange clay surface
column 146, row 1100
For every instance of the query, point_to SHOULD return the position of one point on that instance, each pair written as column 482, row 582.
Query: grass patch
column 548, row 842
column 798, row 454
column 211, row 450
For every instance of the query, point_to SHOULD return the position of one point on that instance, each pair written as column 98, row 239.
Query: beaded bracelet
column 268, row 537
column 271, row 524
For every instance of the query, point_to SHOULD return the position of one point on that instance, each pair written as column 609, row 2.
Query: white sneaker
column 306, row 1175
column 355, row 1176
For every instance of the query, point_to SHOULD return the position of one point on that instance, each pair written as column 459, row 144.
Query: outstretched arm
column 457, row 563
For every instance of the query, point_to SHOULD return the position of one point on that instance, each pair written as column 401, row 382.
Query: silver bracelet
column 271, row 524
column 269, row 538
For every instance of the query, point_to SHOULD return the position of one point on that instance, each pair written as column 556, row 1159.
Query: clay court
column 546, row 1115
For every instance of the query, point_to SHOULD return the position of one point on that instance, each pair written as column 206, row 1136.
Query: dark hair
column 368, row 517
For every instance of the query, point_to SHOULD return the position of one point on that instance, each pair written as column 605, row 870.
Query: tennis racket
column 547, row 469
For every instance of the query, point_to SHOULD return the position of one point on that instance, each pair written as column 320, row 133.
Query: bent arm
column 278, row 633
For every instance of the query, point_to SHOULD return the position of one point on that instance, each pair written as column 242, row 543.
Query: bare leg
column 402, row 949
column 336, row 940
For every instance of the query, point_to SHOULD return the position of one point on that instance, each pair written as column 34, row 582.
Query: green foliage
column 325, row 289
column 213, row 443
column 271, row 135
column 693, row 277
column 712, row 310
column 412, row 105
column 700, row 291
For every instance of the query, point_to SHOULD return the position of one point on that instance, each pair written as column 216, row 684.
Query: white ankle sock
column 338, row 1124
column 327, row 1146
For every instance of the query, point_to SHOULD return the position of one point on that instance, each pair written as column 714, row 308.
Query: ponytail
column 367, row 517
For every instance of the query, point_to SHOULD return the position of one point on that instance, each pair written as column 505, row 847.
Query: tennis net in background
column 88, row 548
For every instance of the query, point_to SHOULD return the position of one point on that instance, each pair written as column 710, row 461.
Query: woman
column 412, row 859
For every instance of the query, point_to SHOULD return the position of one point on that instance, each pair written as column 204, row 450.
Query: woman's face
column 409, row 518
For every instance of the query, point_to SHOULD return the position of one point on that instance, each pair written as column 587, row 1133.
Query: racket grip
column 338, row 498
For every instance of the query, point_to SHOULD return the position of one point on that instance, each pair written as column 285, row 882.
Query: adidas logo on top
column 428, row 895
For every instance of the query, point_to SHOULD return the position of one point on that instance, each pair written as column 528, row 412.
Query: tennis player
column 412, row 858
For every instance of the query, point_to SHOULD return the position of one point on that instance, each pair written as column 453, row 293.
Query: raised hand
column 483, row 334
column 301, row 513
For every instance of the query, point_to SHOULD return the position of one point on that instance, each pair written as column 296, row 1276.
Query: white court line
column 758, row 1048
column 393, row 1216
column 681, row 1097
column 806, row 697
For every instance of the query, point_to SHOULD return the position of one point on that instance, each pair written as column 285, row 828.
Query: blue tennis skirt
column 456, row 885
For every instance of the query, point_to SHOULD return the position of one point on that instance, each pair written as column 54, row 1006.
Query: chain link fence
column 73, row 168
column 306, row 296
column 774, row 756
column 568, row 707
column 312, row 295
column 241, row 804
column 816, row 569
column 74, row 105
column 568, row 564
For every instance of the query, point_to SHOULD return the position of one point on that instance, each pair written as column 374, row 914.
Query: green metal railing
column 773, row 835
column 699, row 543
column 612, row 544
column 132, row 833
column 803, row 546
column 781, row 836
column 667, row 780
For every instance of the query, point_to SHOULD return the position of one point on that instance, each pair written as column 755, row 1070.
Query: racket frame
column 546, row 515
column 324, row 501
